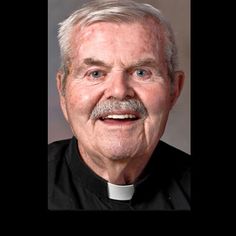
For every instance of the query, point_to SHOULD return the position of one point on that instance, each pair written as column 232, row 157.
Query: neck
column 121, row 172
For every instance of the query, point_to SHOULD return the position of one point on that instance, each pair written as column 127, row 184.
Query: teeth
column 126, row 116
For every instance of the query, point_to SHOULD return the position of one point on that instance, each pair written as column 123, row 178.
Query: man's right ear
column 60, row 83
column 60, row 89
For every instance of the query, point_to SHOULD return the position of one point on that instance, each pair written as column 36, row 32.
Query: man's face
column 116, row 63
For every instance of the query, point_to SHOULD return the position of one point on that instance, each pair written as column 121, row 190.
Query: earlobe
column 177, row 86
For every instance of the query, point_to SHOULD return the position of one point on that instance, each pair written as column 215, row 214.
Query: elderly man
column 117, row 84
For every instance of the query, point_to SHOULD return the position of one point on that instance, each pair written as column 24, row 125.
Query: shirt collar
column 120, row 192
column 99, row 186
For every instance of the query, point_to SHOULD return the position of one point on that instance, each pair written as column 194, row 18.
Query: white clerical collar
column 120, row 192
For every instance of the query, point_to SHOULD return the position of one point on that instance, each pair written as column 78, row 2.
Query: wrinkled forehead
column 148, row 23
column 146, row 31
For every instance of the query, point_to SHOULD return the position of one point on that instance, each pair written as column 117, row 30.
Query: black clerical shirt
column 72, row 185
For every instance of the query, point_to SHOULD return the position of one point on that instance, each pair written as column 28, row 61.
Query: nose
column 119, row 87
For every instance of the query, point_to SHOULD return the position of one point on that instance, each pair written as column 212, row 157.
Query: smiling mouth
column 119, row 118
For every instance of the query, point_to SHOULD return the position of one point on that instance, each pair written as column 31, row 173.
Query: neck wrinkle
column 120, row 172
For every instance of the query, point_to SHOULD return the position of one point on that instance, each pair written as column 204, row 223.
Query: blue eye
column 96, row 74
column 141, row 73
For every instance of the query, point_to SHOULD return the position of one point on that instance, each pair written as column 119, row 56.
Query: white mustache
column 113, row 105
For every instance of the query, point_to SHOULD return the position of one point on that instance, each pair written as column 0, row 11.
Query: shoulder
column 57, row 149
column 173, row 158
column 165, row 147
column 177, row 165
column 173, row 155
column 56, row 162
column 57, row 155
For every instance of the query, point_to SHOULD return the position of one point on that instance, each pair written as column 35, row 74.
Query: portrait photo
column 119, row 113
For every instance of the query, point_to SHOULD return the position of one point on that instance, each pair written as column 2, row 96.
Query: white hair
column 119, row 11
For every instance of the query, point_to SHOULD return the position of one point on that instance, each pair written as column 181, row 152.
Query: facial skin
column 117, row 62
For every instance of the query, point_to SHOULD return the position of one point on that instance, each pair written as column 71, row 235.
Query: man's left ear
column 177, row 86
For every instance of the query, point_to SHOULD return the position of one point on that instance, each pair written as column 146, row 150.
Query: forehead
column 118, row 38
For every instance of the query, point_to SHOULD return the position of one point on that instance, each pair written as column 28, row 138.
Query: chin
column 120, row 151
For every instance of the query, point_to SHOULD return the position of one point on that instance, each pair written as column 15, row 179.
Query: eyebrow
column 147, row 62
column 94, row 62
column 150, row 62
column 90, row 62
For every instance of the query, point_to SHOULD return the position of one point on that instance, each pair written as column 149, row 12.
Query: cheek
column 157, row 106
column 79, row 102
column 156, row 100
column 81, row 99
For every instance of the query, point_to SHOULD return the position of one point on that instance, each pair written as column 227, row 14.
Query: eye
column 141, row 73
column 96, row 74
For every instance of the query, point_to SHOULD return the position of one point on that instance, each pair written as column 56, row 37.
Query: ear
column 177, row 86
column 59, row 79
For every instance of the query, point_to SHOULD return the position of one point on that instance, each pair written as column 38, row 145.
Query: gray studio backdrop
column 178, row 12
